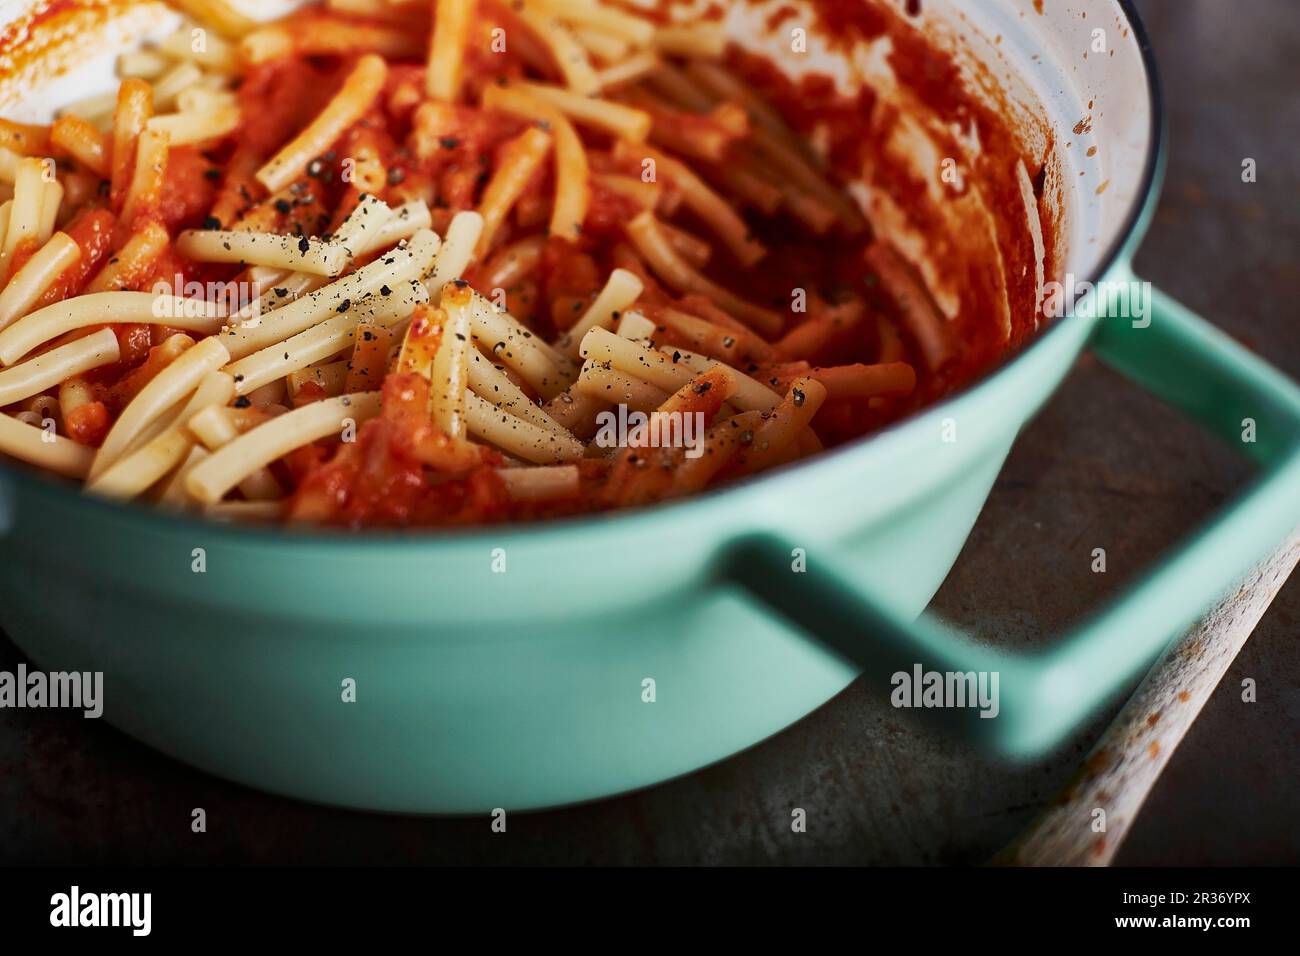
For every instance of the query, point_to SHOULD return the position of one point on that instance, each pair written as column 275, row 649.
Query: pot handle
column 1042, row 696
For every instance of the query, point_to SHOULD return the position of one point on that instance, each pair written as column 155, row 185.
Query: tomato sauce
column 834, row 308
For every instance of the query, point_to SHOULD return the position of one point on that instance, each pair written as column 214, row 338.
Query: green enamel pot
column 534, row 666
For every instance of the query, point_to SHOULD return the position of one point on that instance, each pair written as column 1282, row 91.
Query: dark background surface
column 1102, row 466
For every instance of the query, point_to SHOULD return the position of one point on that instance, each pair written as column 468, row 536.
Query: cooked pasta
column 373, row 265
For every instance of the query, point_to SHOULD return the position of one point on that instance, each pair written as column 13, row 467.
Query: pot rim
column 629, row 520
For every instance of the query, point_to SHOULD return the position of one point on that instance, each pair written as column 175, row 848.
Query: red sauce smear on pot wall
column 937, row 90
